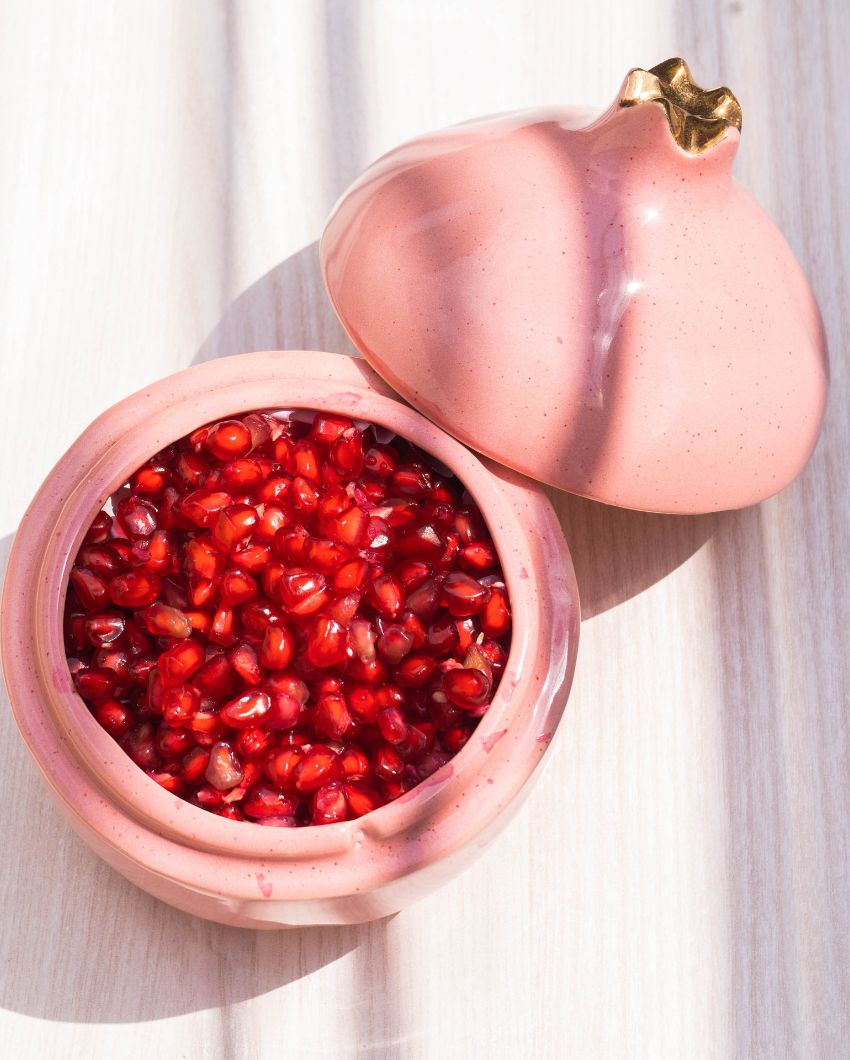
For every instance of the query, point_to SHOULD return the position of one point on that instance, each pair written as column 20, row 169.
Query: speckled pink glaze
column 244, row 874
column 587, row 303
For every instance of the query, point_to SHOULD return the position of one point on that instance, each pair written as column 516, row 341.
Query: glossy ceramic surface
column 240, row 873
column 588, row 303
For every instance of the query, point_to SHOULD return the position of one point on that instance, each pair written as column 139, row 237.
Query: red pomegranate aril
column 394, row 644
column 325, row 555
column 381, row 460
column 171, row 743
column 415, row 670
column 266, row 802
column 134, row 589
column 245, row 663
column 392, row 725
column 228, row 440
column 422, row 543
column 137, row 517
column 258, row 615
column 164, row 621
column 278, row 648
column 346, row 454
column 304, row 592
column 326, row 642
column 101, row 559
column 272, row 490
column 281, row 766
column 361, row 799
column 351, row 576
column 331, row 719
column 115, row 717
column 348, row 528
column 303, row 496
column 91, row 589
column 306, row 463
column 178, row 663
column 466, row 688
column 195, row 765
column 232, row 525
column 224, row 627
column 362, row 703
column 330, row 804
column 206, row 727
column 319, row 766
column 98, row 532
column 223, row 769
column 216, row 677
column 254, row 743
column 355, row 764
column 242, row 475
column 425, row 600
column 463, row 595
column 236, row 587
column 287, row 621
column 150, row 480
column 478, row 557
column 180, row 703
column 496, row 616
column 176, row 785
column 387, row 763
column 386, row 595
column 246, row 710
column 140, row 747
column 104, row 627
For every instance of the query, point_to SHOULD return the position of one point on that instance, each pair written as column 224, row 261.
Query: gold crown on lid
column 698, row 117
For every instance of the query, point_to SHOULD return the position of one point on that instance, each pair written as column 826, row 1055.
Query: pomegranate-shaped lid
column 594, row 302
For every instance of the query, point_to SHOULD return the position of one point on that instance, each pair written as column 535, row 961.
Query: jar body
column 243, row 874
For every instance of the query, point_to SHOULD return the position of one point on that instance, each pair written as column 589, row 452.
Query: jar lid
column 590, row 301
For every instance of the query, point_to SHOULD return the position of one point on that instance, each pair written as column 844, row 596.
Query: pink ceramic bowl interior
column 238, row 873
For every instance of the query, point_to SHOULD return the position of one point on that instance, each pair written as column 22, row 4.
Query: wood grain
column 677, row 885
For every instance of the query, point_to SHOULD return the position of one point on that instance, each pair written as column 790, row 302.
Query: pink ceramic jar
column 238, row 873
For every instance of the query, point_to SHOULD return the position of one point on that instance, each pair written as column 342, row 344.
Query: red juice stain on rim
column 289, row 619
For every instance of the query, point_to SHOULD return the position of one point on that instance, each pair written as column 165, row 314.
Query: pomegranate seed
column 464, row 596
column 178, row 663
column 326, row 643
column 361, row 799
column 278, row 648
column 134, row 589
column 329, row 804
column 104, row 627
column 319, row 766
column 95, row 684
column 269, row 583
column 496, row 616
column 115, row 717
column 466, row 688
column 386, row 595
column 223, row 769
column 91, row 588
column 246, row 710
column 228, row 440
column 180, row 703
column 164, row 621
column 136, row 516
column 331, row 719
column 233, row 524
column 266, row 802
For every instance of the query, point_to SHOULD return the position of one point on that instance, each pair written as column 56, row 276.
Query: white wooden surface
column 677, row 885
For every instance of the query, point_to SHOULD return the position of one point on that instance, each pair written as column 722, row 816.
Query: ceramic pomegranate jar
column 591, row 300
column 235, row 871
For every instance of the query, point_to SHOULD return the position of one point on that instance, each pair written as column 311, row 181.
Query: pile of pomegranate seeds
column 288, row 619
